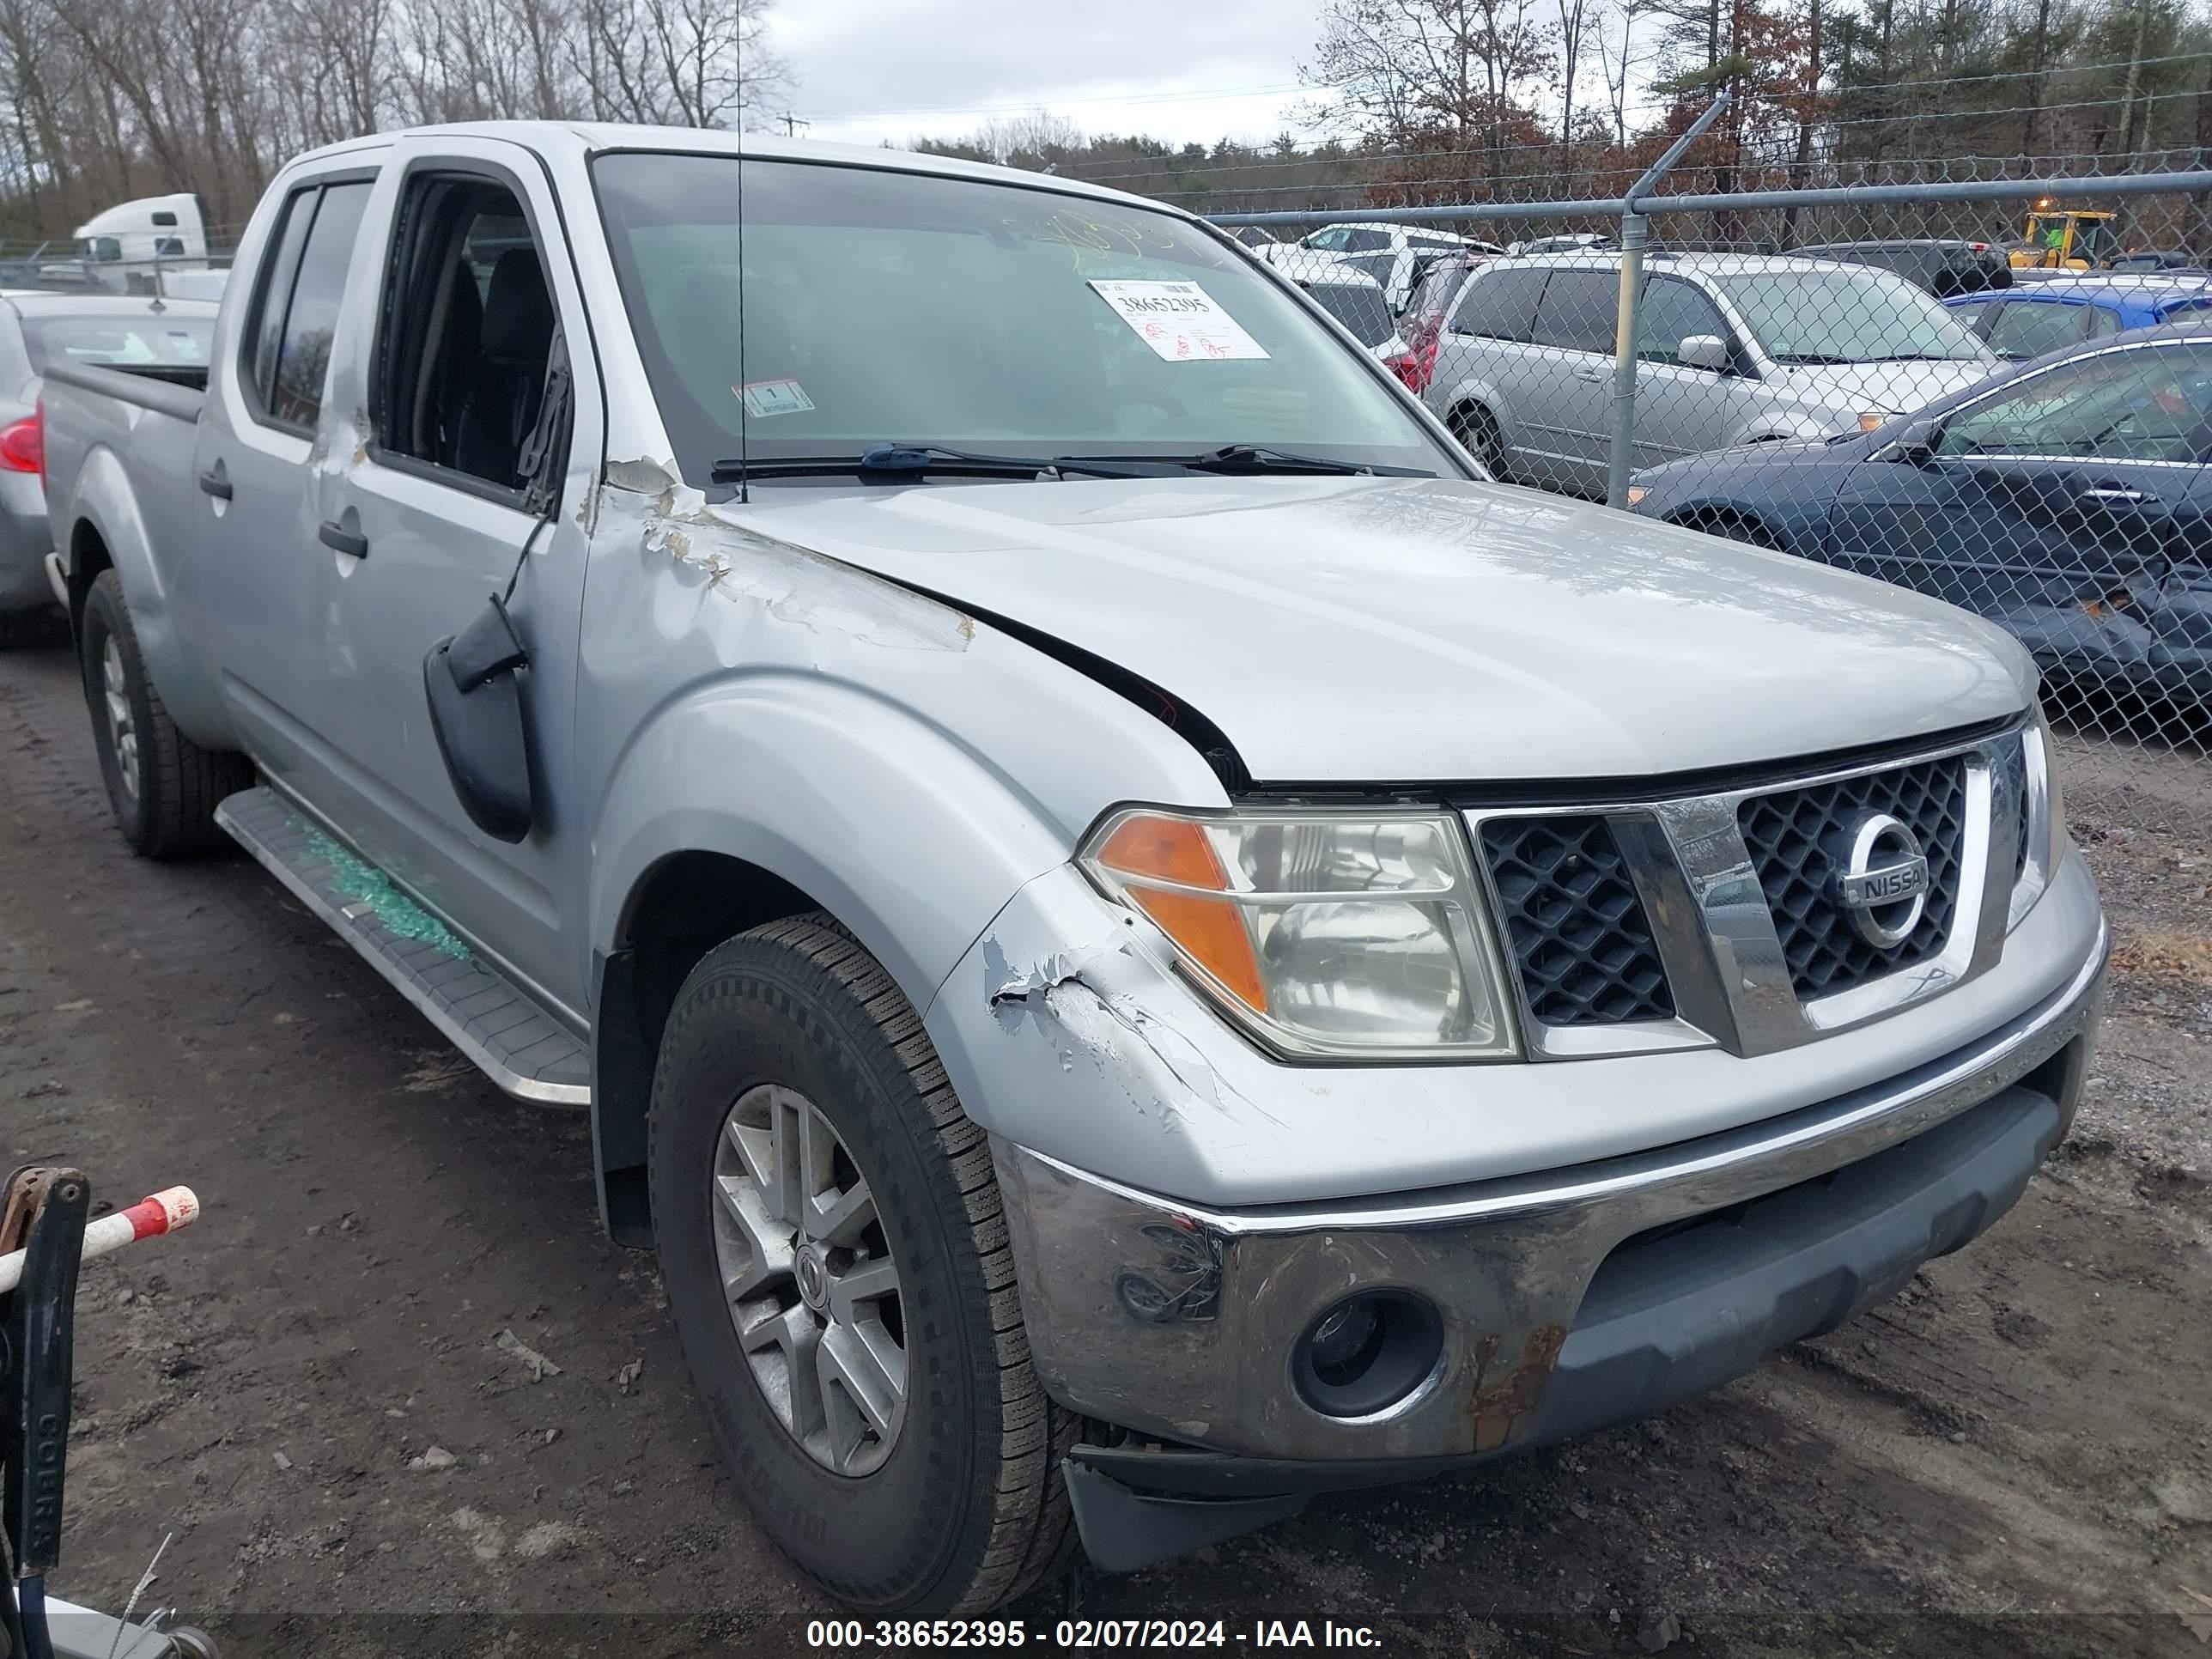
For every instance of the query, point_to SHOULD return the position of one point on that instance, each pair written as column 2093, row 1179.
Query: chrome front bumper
column 1180, row 1322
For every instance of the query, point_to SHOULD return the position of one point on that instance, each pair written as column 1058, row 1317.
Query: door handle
column 340, row 539
column 215, row 482
column 2109, row 496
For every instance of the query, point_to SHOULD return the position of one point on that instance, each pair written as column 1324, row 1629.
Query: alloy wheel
column 810, row 1280
column 122, row 729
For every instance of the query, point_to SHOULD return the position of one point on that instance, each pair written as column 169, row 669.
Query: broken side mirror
column 476, row 713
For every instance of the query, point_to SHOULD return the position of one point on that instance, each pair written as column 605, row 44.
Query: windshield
column 141, row 342
column 888, row 307
column 1846, row 316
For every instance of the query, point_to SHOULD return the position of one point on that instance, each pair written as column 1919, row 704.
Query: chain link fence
column 1995, row 392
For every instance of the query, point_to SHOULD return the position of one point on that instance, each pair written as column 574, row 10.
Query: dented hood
column 1400, row 630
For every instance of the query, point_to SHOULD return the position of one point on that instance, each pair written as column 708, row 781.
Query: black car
column 2069, row 499
column 1943, row 268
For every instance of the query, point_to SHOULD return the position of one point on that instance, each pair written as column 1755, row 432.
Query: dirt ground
column 2014, row 1458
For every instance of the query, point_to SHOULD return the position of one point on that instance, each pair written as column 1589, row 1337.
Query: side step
column 516, row 1043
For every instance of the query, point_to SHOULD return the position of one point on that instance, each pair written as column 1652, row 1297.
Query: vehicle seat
column 509, row 379
column 456, row 366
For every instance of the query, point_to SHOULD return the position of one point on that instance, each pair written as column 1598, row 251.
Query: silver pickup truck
column 1141, row 940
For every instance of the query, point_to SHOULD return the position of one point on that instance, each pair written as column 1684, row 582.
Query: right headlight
column 2044, row 806
column 1339, row 935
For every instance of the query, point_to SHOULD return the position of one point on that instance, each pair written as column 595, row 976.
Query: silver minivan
column 1735, row 349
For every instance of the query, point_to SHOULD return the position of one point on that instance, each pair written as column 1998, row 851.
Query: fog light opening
column 1367, row 1353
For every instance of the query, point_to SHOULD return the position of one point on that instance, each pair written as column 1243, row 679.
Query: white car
column 1394, row 255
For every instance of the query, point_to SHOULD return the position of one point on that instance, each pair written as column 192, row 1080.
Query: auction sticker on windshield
column 1178, row 321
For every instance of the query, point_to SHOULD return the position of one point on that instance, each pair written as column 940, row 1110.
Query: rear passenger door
column 261, row 564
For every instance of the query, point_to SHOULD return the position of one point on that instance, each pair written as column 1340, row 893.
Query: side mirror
column 1916, row 445
column 1703, row 352
column 475, row 714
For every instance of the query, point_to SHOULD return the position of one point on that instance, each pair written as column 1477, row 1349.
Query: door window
column 1499, row 304
column 1365, row 241
column 302, row 286
column 1335, row 240
column 2148, row 404
column 1673, row 311
column 464, row 369
column 1578, row 310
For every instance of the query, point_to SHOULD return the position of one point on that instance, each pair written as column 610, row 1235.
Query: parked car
column 2071, row 308
column 1394, row 255
column 1942, row 266
column 1421, row 325
column 37, row 331
column 1357, row 300
column 2070, row 500
column 1586, row 241
column 1070, row 1058
column 1734, row 348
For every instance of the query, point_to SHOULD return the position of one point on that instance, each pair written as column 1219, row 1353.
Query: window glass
column 303, row 355
column 885, row 308
column 1365, row 241
column 267, row 329
column 2102, row 322
column 1335, row 240
column 1673, row 311
column 2026, row 329
column 1981, row 316
column 2148, row 405
column 1498, row 304
column 165, row 340
column 168, row 248
column 1377, row 266
column 165, row 217
column 1439, row 287
column 2186, row 309
column 1578, row 310
column 1358, row 306
column 1835, row 314
column 100, row 249
column 1416, row 240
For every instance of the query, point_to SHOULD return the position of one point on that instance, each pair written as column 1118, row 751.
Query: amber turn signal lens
column 1212, row 932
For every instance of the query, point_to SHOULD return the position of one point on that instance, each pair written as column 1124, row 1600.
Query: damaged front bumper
column 1567, row 1301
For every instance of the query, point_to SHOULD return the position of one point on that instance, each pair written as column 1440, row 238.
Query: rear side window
column 1578, row 310
column 1358, row 306
column 304, row 285
column 1499, row 304
column 1365, row 241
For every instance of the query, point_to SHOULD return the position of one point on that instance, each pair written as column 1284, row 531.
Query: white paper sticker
column 1179, row 321
column 765, row 398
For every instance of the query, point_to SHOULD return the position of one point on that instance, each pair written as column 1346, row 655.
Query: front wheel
column 832, row 1249
column 162, row 788
column 1476, row 428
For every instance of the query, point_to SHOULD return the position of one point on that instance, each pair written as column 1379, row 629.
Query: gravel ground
column 2014, row 1458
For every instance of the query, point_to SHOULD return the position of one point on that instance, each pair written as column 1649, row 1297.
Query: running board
column 483, row 1013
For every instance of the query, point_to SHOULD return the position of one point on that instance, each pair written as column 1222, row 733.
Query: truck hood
column 1373, row 630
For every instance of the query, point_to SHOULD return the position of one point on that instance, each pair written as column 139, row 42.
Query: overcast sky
column 1183, row 70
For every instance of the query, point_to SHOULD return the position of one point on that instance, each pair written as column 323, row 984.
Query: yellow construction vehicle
column 2066, row 239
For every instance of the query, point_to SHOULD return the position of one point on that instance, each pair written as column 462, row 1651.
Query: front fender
column 898, row 832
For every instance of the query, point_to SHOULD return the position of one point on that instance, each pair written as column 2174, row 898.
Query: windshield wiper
column 909, row 462
column 1256, row 458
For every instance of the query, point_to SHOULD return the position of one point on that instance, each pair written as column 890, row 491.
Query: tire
column 163, row 787
column 961, row 1507
column 1476, row 428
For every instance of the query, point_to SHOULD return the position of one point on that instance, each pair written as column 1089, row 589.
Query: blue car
column 2035, row 318
column 2069, row 499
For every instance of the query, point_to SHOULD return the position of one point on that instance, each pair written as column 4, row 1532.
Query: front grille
column 1577, row 928
column 1790, row 834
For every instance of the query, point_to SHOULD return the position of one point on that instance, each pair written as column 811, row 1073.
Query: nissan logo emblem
column 1882, row 885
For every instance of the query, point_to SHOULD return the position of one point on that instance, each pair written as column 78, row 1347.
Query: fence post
column 1635, row 232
